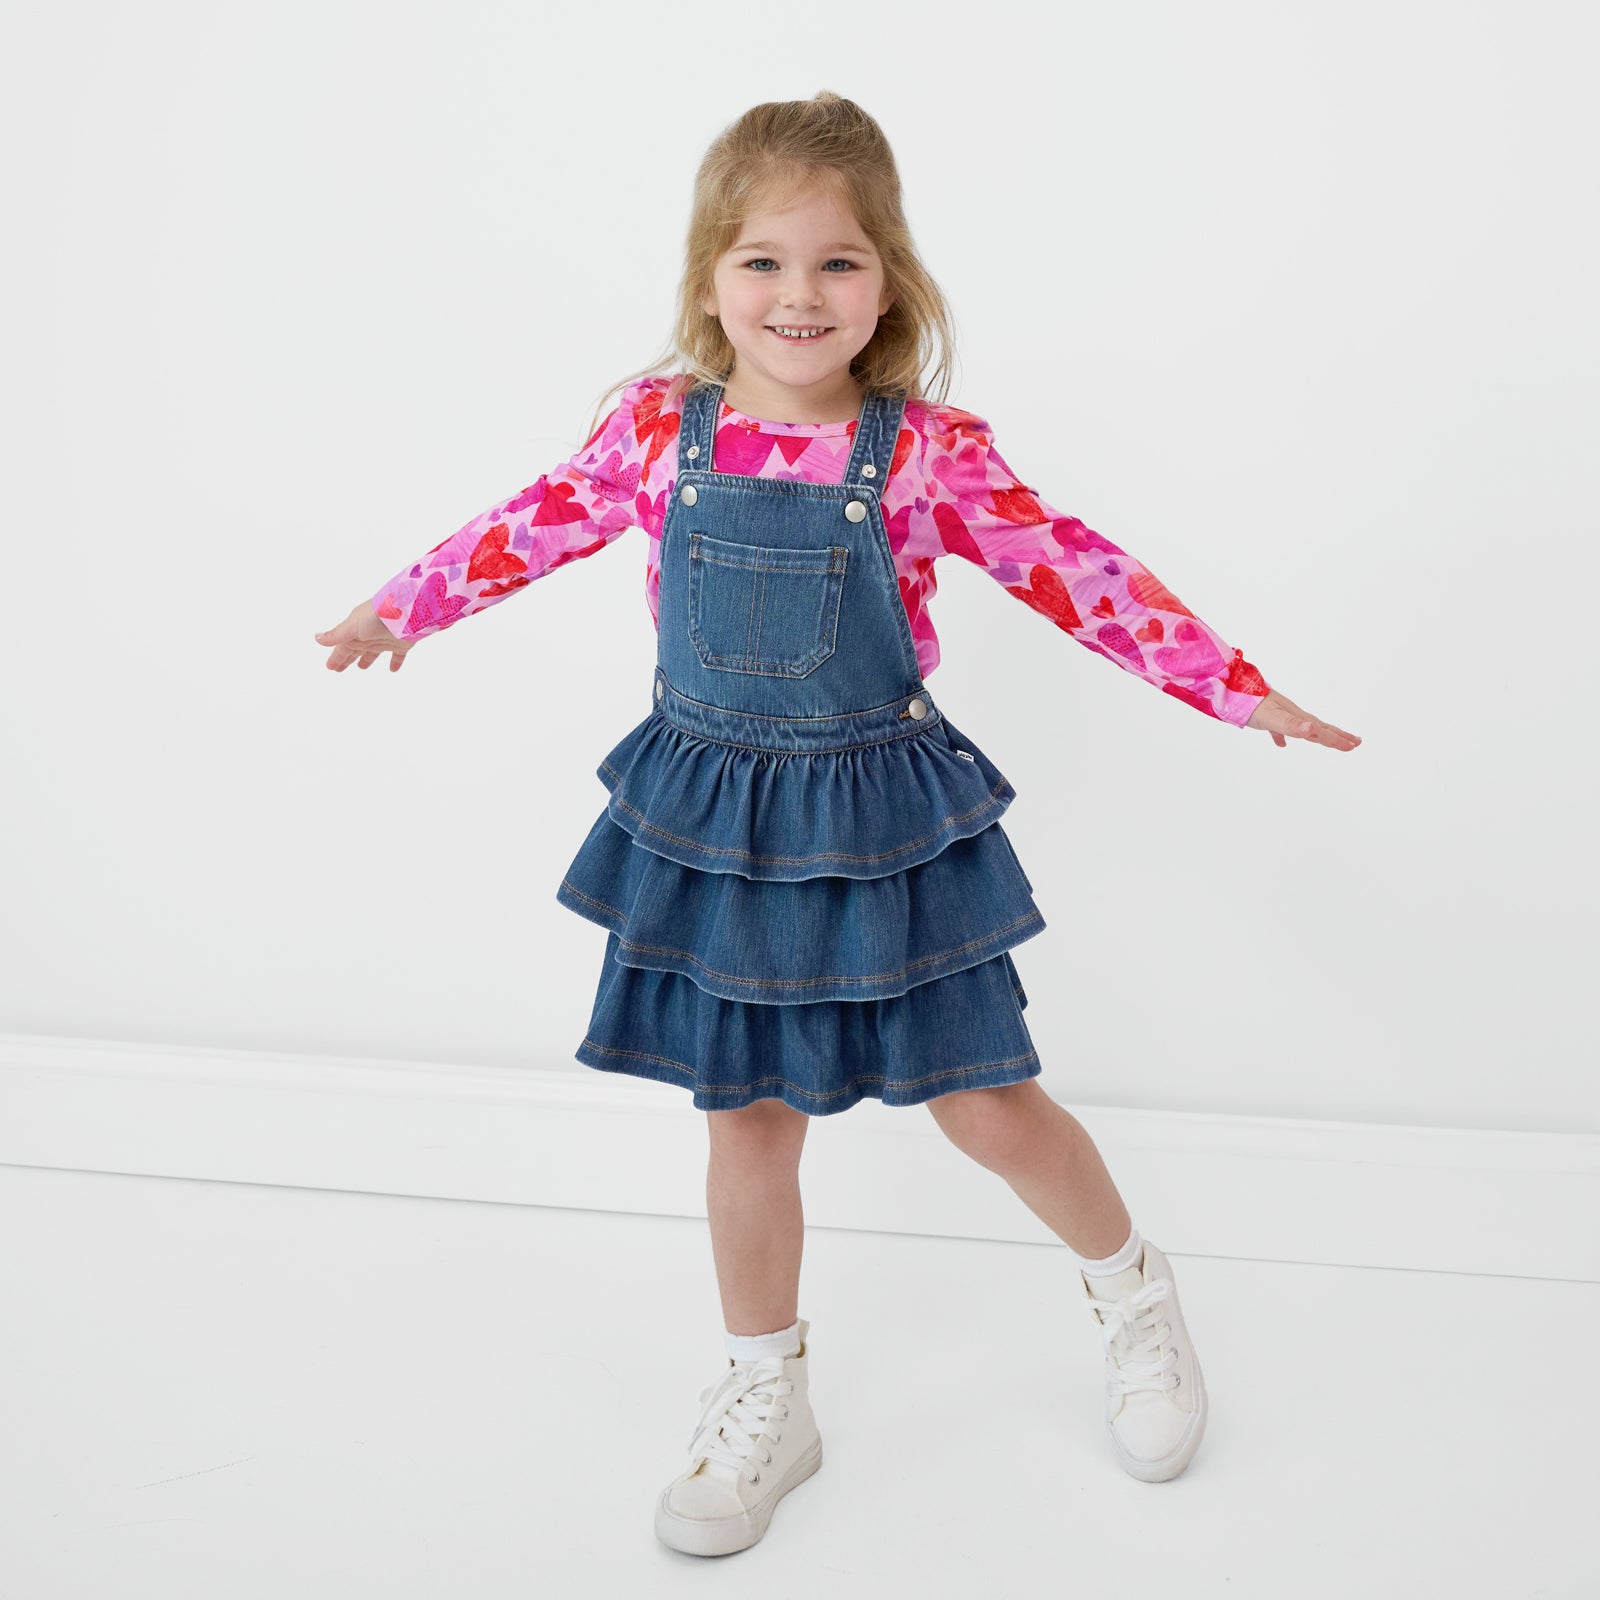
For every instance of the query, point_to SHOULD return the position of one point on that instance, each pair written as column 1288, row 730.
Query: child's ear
column 888, row 300
column 709, row 305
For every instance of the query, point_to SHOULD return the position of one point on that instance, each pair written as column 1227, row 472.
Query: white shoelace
column 735, row 1409
column 1131, row 1333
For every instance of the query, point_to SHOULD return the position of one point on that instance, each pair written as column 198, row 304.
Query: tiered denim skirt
column 818, row 927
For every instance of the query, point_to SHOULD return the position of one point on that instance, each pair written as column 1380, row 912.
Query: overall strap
column 697, row 428
column 876, row 434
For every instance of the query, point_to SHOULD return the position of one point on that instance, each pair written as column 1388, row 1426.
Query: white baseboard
column 1259, row 1188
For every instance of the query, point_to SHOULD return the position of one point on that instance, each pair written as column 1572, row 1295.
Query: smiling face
column 809, row 266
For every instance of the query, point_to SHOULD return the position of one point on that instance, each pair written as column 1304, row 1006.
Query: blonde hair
column 770, row 155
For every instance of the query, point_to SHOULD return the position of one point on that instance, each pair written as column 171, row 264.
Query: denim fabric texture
column 807, row 891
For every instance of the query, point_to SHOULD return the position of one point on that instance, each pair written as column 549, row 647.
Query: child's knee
column 987, row 1124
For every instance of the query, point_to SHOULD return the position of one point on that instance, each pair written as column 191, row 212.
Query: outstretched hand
column 1284, row 720
column 363, row 637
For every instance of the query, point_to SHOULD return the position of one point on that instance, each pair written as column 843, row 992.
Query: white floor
column 226, row 1392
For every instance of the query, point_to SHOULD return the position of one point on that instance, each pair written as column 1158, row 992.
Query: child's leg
column 753, row 1203
column 1046, row 1155
column 1155, row 1399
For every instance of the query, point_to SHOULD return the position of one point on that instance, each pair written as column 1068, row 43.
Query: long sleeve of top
column 948, row 492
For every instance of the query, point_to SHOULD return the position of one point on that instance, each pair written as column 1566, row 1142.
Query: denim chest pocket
column 764, row 608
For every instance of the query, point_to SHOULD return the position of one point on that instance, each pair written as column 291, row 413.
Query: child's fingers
column 1318, row 732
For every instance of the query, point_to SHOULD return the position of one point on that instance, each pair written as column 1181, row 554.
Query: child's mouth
column 797, row 337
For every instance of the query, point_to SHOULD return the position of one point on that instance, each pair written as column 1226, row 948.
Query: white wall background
column 1296, row 304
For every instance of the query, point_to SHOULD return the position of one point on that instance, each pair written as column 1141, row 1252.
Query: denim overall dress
column 807, row 892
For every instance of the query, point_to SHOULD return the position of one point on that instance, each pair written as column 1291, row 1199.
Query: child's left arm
column 1105, row 598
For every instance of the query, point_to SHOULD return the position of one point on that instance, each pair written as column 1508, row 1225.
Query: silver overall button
column 918, row 709
column 693, row 451
column 855, row 510
column 869, row 471
column 688, row 494
column 660, row 689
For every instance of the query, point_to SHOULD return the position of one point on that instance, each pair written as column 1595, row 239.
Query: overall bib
column 808, row 893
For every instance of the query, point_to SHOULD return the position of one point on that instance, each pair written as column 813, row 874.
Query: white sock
column 759, row 1346
column 1127, row 1256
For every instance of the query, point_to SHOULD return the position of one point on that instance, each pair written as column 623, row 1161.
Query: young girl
column 808, row 894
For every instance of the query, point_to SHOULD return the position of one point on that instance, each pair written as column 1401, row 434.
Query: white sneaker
column 755, row 1440
column 1155, row 1400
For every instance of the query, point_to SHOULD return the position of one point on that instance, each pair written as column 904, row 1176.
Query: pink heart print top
column 948, row 492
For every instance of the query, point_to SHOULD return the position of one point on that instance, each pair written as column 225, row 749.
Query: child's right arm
column 569, row 513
